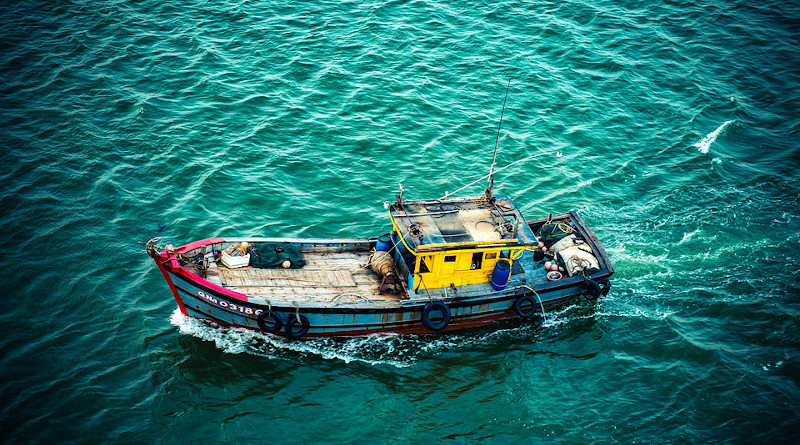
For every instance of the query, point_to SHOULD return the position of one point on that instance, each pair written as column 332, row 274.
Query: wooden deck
column 339, row 277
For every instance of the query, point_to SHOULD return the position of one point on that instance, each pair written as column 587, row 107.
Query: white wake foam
column 380, row 349
column 704, row 144
column 241, row 340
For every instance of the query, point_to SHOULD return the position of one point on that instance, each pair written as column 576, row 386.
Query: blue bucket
column 384, row 243
column 501, row 274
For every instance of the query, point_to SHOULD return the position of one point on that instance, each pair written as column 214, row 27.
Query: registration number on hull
column 229, row 306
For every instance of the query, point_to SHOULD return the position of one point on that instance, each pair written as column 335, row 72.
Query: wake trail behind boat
column 704, row 144
column 374, row 350
column 370, row 350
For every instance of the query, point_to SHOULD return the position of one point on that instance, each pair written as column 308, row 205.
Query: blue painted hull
column 202, row 299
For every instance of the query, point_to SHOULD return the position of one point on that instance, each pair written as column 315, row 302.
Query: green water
column 293, row 119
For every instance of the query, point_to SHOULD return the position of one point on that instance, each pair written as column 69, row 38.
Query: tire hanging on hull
column 525, row 306
column 439, row 323
column 296, row 329
column 594, row 289
column 270, row 322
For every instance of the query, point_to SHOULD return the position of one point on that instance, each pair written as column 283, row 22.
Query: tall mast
column 496, row 144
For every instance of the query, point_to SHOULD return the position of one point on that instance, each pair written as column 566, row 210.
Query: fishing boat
column 446, row 264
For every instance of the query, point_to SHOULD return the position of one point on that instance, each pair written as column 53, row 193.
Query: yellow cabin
column 456, row 242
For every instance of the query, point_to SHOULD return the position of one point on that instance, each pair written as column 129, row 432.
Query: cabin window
column 477, row 259
column 491, row 256
column 450, row 259
column 423, row 265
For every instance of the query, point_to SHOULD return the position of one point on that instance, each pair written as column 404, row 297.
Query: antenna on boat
column 496, row 144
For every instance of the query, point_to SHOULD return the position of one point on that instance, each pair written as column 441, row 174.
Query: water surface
column 677, row 121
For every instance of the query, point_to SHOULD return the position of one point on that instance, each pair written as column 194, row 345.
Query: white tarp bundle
column 575, row 255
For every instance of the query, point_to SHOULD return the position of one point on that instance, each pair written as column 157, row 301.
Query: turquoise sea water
column 679, row 128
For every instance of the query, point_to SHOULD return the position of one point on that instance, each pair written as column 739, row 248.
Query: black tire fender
column 270, row 322
column 523, row 302
column 436, row 325
column 591, row 289
column 296, row 329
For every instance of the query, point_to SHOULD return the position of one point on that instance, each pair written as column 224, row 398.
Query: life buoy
column 295, row 329
column 438, row 323
column 270, row 321
column 525, row 306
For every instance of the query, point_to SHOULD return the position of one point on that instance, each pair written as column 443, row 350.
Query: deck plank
column 330, row 275
column 287, row 278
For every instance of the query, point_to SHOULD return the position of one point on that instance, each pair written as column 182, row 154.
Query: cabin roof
column 473, row 222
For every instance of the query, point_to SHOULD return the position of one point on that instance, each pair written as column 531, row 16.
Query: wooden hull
column 200, row 298
column 201, row 301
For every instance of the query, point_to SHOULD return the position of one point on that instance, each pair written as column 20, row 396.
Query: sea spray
column 704, row 144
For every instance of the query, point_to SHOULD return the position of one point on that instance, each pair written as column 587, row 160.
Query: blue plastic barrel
column 384, row 243
column 501, row 274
